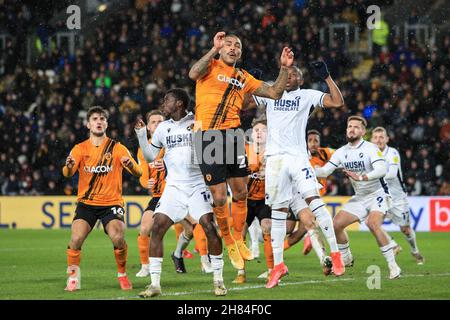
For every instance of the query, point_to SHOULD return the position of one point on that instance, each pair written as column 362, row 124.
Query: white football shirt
column 176, row 138
column 396, row 186
column 287, row 119
column 359, row 159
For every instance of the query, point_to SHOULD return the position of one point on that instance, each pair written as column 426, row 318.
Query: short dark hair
column 313, row 131
column 97, row 109
column 180, row 95
column 233, row 35
column 153, row 113
column 363, row 121
column 259, row 121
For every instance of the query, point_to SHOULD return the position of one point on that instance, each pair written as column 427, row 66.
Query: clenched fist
column 126, row 162
column 70, row 162
column 139, row 124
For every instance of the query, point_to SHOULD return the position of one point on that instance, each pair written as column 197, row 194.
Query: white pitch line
column 282, row 284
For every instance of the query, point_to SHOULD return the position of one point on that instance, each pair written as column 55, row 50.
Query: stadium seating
column 139, row 54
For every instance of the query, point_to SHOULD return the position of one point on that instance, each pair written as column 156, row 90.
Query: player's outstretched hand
column 70, row 162
column 151, row 183
column 126, row 162
column 287, row 57
column 219, row 40
column 320, row 69
column 351, row 174
column 158, row 165
column 139, row 124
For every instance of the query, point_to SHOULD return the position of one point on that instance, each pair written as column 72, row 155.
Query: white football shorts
column 360, row 206
column 297, row 202
column 178, row 201
column 399, row 214
column 283, row 172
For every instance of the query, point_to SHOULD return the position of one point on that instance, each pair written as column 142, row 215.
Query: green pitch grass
column 33, row 265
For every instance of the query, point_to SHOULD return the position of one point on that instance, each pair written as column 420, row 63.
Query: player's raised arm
column 143, row 179
column 129, row 163
column 329, row 167
column 275, row 91
column 333, row 99
column 150, row 151
column 200, row 68
column 72, row 163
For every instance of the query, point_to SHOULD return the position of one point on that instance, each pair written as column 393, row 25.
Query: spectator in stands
column 11, row 186
column 380, row 35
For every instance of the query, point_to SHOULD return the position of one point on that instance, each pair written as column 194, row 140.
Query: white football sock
column 278, row 233
column 346, row 254
column 182, row 244
column 253, row 231
column 155, row 270
column 315, row 242
column 412, row 241
column 325, row 222
column 388, row 254
column 205, row 259
column 217, row 266
column 392, row 242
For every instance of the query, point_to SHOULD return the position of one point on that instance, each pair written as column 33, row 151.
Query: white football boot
column 144, row 272
column 74, row 279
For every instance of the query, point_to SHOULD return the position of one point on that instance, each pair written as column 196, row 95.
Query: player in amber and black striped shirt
column 99, row 161
column 219, row 93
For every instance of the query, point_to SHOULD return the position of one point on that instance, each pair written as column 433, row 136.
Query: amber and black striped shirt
column 219, row 96
column 100, row 172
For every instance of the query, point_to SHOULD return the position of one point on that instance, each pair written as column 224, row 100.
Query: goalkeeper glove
column 320, row 69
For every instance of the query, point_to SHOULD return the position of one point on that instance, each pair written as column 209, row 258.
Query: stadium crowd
column 137, row 55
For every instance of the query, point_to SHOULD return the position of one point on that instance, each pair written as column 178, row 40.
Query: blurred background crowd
column 133, row 56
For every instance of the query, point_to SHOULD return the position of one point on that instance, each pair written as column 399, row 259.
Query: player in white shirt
column 288, row 166
column 185, row 193
column 399, row 213
column 364, row 163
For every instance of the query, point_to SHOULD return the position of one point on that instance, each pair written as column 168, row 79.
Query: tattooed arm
column 275, row 91
column 200, row 68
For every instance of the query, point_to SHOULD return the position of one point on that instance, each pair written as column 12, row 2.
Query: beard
column 352, row 139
